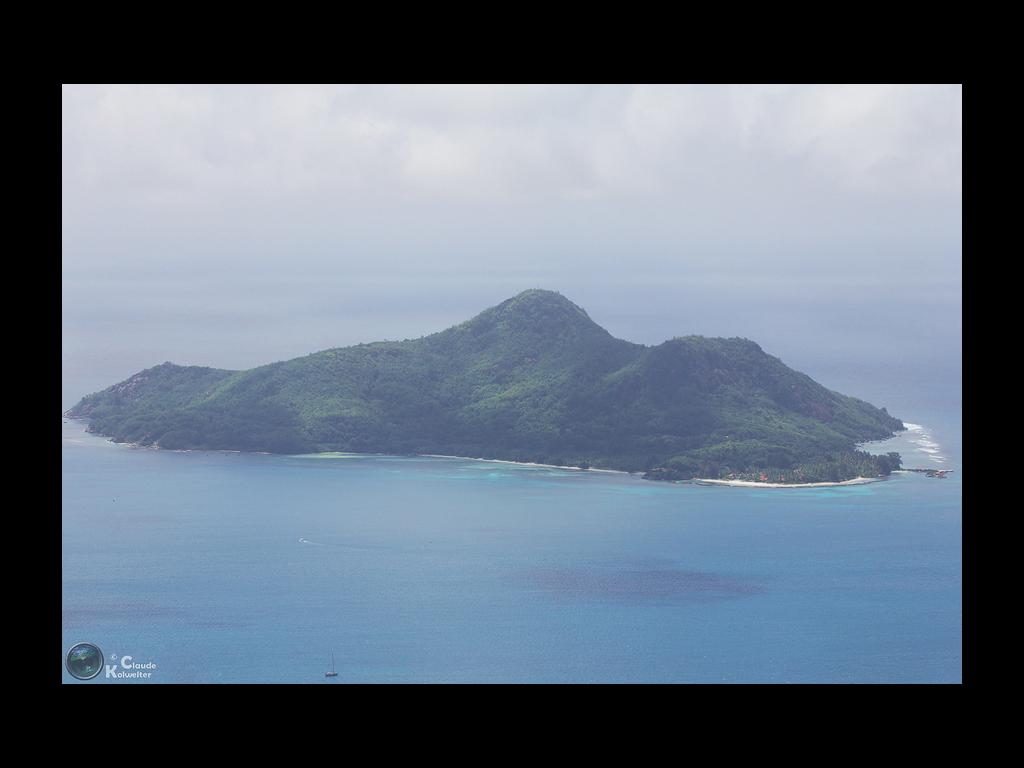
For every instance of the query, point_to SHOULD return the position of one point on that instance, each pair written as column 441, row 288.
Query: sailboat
column 332, row 673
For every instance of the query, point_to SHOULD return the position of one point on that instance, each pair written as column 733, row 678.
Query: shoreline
column 756, row 484
column 340, row 454
column 523, row 463
column 695, row 481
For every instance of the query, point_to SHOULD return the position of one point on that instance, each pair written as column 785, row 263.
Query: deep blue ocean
column 228, row 567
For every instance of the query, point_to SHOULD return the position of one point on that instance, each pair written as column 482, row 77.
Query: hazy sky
column 237, row 225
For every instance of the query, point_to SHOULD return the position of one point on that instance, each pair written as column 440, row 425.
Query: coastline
column 523, row 463
column 342, row 454
column 755, row 484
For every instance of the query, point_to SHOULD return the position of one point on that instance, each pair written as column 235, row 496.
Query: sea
column 220, row 567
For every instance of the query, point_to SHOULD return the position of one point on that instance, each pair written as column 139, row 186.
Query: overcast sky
column 235, row 226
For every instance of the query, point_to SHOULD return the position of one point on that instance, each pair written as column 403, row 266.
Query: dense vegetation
column 532, row 379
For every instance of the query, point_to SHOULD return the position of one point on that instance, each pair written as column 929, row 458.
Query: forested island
column 532, row 379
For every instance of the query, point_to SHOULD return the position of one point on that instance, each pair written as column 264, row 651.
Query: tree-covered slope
column 532, row 379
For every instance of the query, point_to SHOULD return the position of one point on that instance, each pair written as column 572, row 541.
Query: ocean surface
column 229, row 567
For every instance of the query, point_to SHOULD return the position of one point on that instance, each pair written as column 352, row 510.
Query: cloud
column 232, row 225
column 501, row 142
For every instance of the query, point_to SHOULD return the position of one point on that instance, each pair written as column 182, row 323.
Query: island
column 533, row 380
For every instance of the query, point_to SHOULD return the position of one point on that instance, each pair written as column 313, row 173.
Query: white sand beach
column 522, row 463
column 754, row 484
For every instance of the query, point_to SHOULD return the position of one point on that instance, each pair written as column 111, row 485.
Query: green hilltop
column 532, row 379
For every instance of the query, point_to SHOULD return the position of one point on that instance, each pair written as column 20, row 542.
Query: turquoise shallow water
column 226, row 567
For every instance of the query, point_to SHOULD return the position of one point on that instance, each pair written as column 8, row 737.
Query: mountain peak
column 542, row 294
column 540, row 309
column 541, row 297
